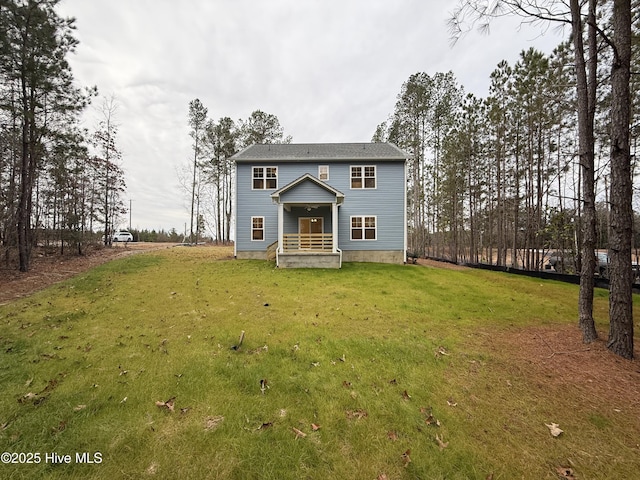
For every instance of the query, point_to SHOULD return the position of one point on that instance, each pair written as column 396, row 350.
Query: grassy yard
column 368, row 372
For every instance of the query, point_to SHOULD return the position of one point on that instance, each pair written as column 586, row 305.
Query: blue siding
column 386, row 202
column 307, row 191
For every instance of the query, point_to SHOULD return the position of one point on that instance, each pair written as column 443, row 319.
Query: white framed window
column 363, row 176
column 364, row 228
column 323, row 172
column 265, row 178
column 257, row 229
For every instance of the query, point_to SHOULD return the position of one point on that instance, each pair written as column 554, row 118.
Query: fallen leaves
column 406, row 458
column 169, row 404
column 441, row 443
column 299, row 433
column 429, row 418
column 41, row 396
column 566, row 472
column 357, row 414
column 211, row 423
column 441, row 352
column 554, row 429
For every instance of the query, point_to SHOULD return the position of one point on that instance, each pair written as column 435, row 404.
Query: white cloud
column 329, row 69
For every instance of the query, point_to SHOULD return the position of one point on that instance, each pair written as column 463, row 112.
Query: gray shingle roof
column 320, row 152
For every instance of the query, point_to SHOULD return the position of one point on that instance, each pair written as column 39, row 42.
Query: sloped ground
column 553, row 358
column 47, row 270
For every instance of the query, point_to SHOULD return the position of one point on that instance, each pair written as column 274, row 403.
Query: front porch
column 311, row 250
column 307, row 242
column 308, row 224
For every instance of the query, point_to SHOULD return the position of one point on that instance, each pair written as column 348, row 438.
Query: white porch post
column 334, row 225
column 280, row 226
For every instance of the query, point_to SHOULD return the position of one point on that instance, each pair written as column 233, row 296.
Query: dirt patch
column 46, row 270
column 426, row 262
column 555, row 358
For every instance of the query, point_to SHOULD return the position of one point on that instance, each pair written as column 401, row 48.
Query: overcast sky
column 330, row 70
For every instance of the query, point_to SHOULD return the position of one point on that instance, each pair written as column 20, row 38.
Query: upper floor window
column 265, row 178
column 323, row 172
column 363, row 177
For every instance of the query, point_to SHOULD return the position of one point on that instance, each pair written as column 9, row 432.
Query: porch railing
column 307, row 241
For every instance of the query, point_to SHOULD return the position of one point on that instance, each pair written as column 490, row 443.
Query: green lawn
column 364, row 368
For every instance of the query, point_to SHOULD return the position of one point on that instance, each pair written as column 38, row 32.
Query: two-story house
column 317, row 205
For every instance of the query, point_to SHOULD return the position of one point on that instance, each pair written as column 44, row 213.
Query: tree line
column 208, row 178
column 544, row 162
column 58, row 182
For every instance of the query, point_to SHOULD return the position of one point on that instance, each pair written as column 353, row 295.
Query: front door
column 307, row 226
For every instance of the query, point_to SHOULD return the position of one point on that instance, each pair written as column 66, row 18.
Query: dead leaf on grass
column 315, row 427
column 391, row 435
column 441, row 443
column 211, row 423
column 406, row 396
column 27, row 396
column 565, row 472
column 442, row 352
column 169, row 404
column 406, row 459
column 429, row 418
column 383, row 476
column 299, row 433
column 554, row 429
column 358, row 414
column 452, row 403
column 152, row 469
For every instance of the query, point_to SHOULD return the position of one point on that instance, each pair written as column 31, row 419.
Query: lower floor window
column 363, row 228
column 257, row 228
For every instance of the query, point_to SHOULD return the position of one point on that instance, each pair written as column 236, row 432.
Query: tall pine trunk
column 620, row 295
column 585, row 76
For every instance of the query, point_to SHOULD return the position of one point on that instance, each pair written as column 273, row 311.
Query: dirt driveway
column 48, row 270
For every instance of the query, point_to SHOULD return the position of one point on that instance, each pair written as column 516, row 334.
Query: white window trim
column 264, row 178
column 252, row 229
column 362, row 167
column 363, row 228
column 320, row 167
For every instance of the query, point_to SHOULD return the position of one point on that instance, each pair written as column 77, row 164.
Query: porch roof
column 307, row 177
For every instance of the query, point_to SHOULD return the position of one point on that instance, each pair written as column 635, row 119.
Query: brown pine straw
column 556, row 358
